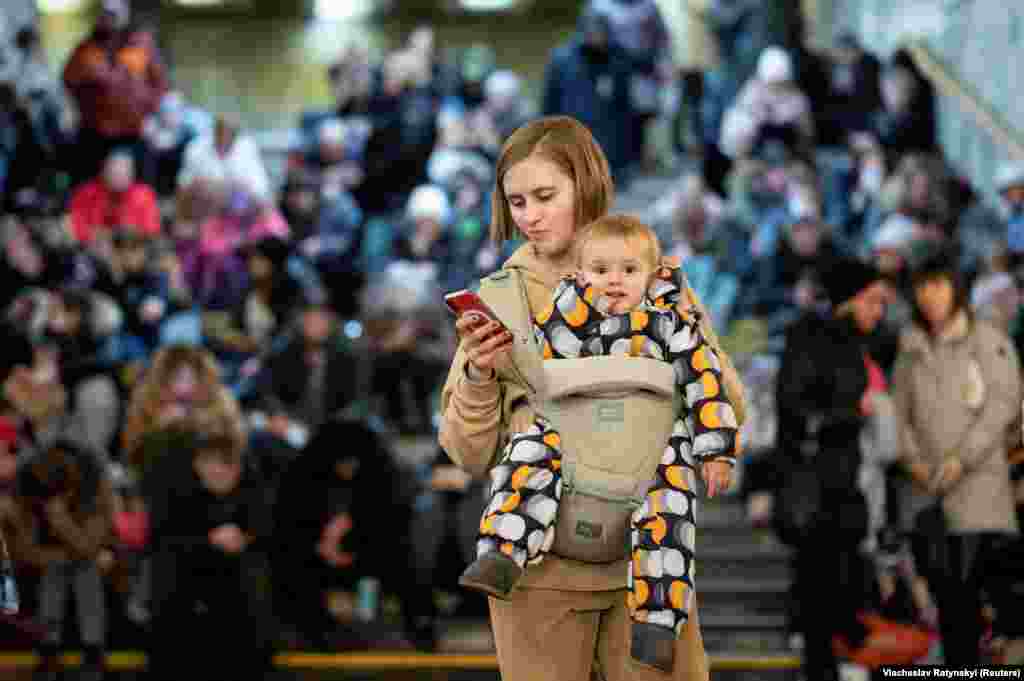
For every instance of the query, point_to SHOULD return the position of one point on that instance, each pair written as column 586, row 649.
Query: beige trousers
column 551, row 635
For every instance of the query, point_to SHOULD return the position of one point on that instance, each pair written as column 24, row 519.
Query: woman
column 957, row 392
column 551, row 179
column 182, row 381
column 825, row 396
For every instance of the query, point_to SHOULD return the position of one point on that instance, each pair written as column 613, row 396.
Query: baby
column 631, row 301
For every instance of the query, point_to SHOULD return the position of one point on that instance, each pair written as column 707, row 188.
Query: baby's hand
column 717, row 477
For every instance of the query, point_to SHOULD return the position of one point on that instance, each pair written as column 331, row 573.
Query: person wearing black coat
column 342, row 513
column 208, row 531
column 823, row 398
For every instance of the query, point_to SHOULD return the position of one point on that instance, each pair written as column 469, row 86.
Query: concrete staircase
column 742, row 584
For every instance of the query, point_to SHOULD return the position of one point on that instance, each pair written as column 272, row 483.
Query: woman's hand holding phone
column 485, row 340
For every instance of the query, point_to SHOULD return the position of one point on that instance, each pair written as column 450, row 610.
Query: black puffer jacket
column 820, row 384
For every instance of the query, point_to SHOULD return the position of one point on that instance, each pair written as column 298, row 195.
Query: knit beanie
column 846, row 278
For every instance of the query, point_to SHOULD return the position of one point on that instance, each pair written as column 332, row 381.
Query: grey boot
column 493, row 573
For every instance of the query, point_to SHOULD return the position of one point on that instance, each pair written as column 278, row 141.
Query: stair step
column 713, row 621
column 743, row 633
column 756, row 561
column 742, row 596
column 721, row 513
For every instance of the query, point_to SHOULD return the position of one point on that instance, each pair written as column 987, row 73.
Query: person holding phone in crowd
column 566, row 617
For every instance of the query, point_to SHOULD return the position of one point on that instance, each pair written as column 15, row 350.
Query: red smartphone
column 467, row 302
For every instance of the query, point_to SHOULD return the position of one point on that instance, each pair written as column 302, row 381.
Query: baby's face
column 619, row 269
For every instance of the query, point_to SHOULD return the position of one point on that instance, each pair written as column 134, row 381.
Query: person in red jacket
column 114, row 200
column 117, row 78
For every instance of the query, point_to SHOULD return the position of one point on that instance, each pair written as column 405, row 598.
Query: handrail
column 967, row 98
column 382, row 661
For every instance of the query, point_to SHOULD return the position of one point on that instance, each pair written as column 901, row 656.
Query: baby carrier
column 615, row 416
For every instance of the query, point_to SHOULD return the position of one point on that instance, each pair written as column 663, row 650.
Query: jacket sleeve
column 86, row 537
column 910, row 447
column 1002, row 405
column 713, row 422
column 470, row 417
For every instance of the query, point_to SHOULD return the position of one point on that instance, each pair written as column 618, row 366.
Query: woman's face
column 218, row 475
column 936, row 299
column 868, row 306
column 184, row 383
column 260, row 267
column 542, row 201
column 806, row 238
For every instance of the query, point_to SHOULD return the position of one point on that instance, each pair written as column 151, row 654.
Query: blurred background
column 227, row 227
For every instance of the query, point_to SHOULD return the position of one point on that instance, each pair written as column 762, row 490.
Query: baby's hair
column 622, row 227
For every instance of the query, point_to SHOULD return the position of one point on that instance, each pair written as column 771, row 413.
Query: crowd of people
column 206, row 367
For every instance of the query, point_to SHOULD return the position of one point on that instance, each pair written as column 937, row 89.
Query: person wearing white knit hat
column 769, row 105
column 996, row 298
column 775, row 66
column 892, row 243
column 429, row 202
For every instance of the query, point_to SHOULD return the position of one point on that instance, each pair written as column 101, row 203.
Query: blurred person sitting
column 473, row 254
column 854, row 91
column 403, row 115
column 770, row 106
column 892, row 252
column 504, row 109
column 442, row 72
column 789, row 282
column 334, row 159
column 757, row 187
column 209, row 523
column 406, row 322
column 65, row 507
column 328, row 232
column 702, row 237
column 264, row 309
column 457, row 148
column 475, row 64
column 981, row 231
column 73, row 345
column 1010, row 185
column 227, row 155
column 35, row 140
column 332, row 502
column 217, row 276
column 902, row 124
column 996, row 298
column 310, row 380
column 114, row 199
column 146, row 295
column 116, row 77
column 168, row 133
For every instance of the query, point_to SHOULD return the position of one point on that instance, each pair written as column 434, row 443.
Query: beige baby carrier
column 615, row 416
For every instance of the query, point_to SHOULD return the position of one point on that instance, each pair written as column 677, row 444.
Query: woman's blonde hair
column 568, row 144
column 620, row 227
column 148, row 398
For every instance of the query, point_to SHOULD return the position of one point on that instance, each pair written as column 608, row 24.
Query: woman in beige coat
column 566, row 618
column 957, row 391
